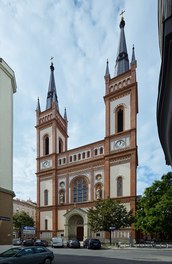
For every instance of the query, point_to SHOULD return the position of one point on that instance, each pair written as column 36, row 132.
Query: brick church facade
column 69, row 181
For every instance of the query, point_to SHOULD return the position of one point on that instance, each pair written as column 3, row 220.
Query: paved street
column 109, row 256
column 132, row 254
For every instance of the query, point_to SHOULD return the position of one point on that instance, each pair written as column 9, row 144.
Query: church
column 69, row 181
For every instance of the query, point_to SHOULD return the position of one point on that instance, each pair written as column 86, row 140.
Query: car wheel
column 47, row 261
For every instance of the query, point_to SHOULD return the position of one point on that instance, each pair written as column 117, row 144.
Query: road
column 108, row 256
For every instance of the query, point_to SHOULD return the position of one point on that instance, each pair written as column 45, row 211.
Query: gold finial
column 122, row 12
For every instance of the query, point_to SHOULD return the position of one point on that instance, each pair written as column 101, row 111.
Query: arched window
column 120, row 119
column 80, row 190
column 95, row 152
column 46, row 197
column 101, row 150
column 119, row 186
column 60, row 145
column 46, row 145
column 46, row 224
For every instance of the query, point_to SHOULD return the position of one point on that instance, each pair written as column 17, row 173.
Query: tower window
column 120, row 120
column 46, row 145
column 60, row 145
column 119, row 186
column 95, row 152
column 101, row 150
column 70, row 158
column 46, row 224
column 80, row 190
column 79, row 156
column 83, row 155
column 46, row 197
column 88, row 154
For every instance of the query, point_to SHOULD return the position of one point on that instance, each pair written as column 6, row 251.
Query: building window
column 119, row 186
column 80, row 190
column 60, row 145
column 64, row 160
column 46, row 145
column 46, row 224
column 83, row 155
column 101, row 150
column 120, row 119
column 95, row 152
column 70, row 158
column 46, row 197
column 74, row 157
column 60, row 161
column 88, row 154
column 79, row 156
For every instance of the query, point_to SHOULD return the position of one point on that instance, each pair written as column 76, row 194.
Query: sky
column 81, row 35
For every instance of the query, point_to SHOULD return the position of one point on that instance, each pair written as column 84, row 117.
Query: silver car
column 28, row 255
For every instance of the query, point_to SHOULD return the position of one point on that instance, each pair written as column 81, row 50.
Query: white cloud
column 81, row 35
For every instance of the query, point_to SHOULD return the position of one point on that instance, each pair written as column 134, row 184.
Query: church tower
column 121, row 104
column 51, row 140
column 71, row 181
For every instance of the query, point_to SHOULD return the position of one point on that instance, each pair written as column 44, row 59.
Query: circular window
column 98, row 177
column 62, row 184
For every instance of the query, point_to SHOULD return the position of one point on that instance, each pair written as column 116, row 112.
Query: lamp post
column 111, row 228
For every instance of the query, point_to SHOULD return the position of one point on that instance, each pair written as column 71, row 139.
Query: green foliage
column 108, row 213
column 154, row 209
column 22, row 219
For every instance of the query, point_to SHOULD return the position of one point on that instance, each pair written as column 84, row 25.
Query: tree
column 154, row 209
column 22, row 219
column 108, row 213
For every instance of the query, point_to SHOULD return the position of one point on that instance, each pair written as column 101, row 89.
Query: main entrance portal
column 76, row 227
column 76, row 224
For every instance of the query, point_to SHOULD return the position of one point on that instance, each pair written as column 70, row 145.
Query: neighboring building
column 7, row 88
column 28, row 207
column 164, row 101
column 70, row 181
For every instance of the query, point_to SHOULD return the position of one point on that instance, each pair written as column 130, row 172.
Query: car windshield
column 10, row 252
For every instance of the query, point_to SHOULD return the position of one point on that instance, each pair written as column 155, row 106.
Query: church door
column 80, row 233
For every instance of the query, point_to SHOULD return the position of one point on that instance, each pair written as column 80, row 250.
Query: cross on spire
column 122, row 12
column 51, row 59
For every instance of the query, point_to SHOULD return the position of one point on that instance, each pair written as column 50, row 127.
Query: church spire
column 107, row 69
column 133, row 59
column 51, row 95
column 38, row 106
column 122, row 62
column 65, row 114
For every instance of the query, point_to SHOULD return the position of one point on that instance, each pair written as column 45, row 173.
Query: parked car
column 28, row 242
column 16, row 242
column 57, row 242
column 92, row 243
column 27, row 255
column 73, row 243
column 41, row 242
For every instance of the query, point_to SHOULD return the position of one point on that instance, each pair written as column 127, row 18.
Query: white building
column 7, row 89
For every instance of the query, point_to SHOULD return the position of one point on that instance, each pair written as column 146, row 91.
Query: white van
column 57, row 242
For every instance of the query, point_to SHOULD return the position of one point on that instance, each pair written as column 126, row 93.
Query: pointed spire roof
column 107, row 69
column 65, row 114
column 122, row 62
column 133, row 59
column 38, row 106
column 51, row 95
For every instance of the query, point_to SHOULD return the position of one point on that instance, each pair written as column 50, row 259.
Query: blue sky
column 80, row 35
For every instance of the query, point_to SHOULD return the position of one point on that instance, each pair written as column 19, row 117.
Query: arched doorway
column 76, row 229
